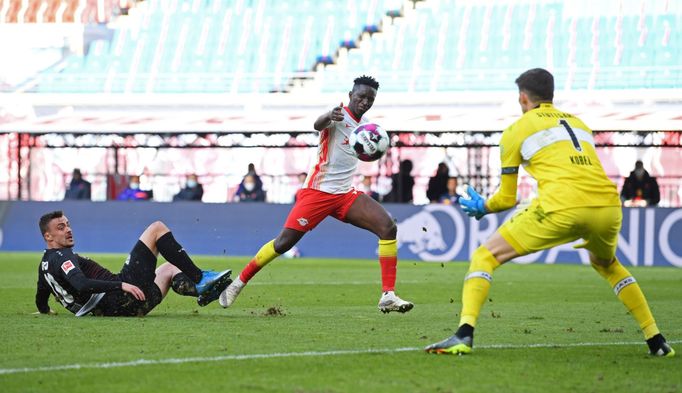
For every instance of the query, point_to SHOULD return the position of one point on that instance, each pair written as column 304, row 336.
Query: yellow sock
column 626, row 288
column 266, row 254
column 388, row 259
column 477, row 284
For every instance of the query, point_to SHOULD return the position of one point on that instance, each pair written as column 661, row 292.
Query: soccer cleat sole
column 459, row 349
column 401, row 309
column 213, row 293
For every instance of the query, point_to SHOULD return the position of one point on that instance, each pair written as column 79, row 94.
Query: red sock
column 249, row 271
column 388, row 272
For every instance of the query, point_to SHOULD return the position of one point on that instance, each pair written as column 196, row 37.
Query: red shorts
column 313, row 206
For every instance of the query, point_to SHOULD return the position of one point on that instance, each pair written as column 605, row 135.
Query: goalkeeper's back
column 557, row 150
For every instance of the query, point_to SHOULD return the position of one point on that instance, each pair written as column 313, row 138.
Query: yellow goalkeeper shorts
column 533, row 230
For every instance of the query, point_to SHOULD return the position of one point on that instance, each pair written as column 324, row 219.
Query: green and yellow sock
column 264, row 256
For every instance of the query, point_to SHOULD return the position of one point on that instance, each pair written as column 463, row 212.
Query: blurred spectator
column 640, row 189
column 251, row 191
column 133, row 191
column 251, row 171
column 438, row 183
column 193, row 191
column 301, row 181
column 78, row 188
column 450, row 197
column 366, row 187
column 402, row 184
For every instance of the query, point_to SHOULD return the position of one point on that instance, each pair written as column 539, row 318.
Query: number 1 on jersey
column 574, row 139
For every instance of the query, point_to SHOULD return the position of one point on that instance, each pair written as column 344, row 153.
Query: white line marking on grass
column 146, row 362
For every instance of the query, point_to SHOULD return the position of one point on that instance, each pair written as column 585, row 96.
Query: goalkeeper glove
column 474, row 205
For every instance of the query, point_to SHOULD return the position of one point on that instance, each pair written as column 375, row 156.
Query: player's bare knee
column 167, row 269
column 158, row 228
column 388, row 231
column 282, row 245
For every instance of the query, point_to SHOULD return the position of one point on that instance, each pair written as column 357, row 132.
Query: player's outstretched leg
column 364, row 212
column 266, row 254
column 209, row 284
column 630, row 294
column 475, row 291
column 389, row 301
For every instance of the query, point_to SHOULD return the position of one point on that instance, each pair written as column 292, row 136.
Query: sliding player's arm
column 42, row 296
column 70, row 270
column 326, row 119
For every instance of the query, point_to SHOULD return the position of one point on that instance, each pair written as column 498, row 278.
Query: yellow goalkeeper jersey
column 557, row 150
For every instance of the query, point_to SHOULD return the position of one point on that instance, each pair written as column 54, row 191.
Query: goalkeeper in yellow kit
column 575, row 201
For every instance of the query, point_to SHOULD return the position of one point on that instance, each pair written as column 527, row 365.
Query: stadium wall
column 650, row 237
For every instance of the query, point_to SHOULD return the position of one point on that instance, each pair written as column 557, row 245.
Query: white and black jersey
column 72, row 279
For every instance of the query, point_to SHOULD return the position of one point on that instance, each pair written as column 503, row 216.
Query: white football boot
column 229, row 295
column 391, row 302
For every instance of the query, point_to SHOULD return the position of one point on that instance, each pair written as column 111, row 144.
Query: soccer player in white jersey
column 328, row 191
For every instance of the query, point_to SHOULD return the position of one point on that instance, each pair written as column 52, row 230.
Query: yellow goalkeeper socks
column 264, row 256
column 626, row 288
column 477, row 285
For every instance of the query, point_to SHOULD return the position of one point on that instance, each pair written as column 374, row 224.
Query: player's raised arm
column 505, row 197
column 325, row 120
column 510, row 158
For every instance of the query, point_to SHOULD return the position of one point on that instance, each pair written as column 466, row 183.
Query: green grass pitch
column 312, row 325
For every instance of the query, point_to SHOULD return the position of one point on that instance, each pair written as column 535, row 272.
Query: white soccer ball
column 369, row 141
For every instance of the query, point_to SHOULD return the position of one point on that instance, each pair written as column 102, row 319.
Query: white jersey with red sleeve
column 336, row 163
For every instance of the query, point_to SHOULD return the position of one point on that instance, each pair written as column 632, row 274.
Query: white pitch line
column 147, row 362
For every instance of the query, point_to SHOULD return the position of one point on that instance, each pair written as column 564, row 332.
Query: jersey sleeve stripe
column 544, row 138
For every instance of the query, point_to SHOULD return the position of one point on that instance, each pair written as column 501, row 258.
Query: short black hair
column 46, row 218
column 538, row 83
column 367, row 81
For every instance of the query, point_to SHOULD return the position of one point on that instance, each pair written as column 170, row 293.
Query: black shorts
column 139, row 270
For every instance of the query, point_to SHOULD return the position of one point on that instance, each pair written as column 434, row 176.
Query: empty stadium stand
column 451, row 45
column 242, row 46
column 258, row 46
